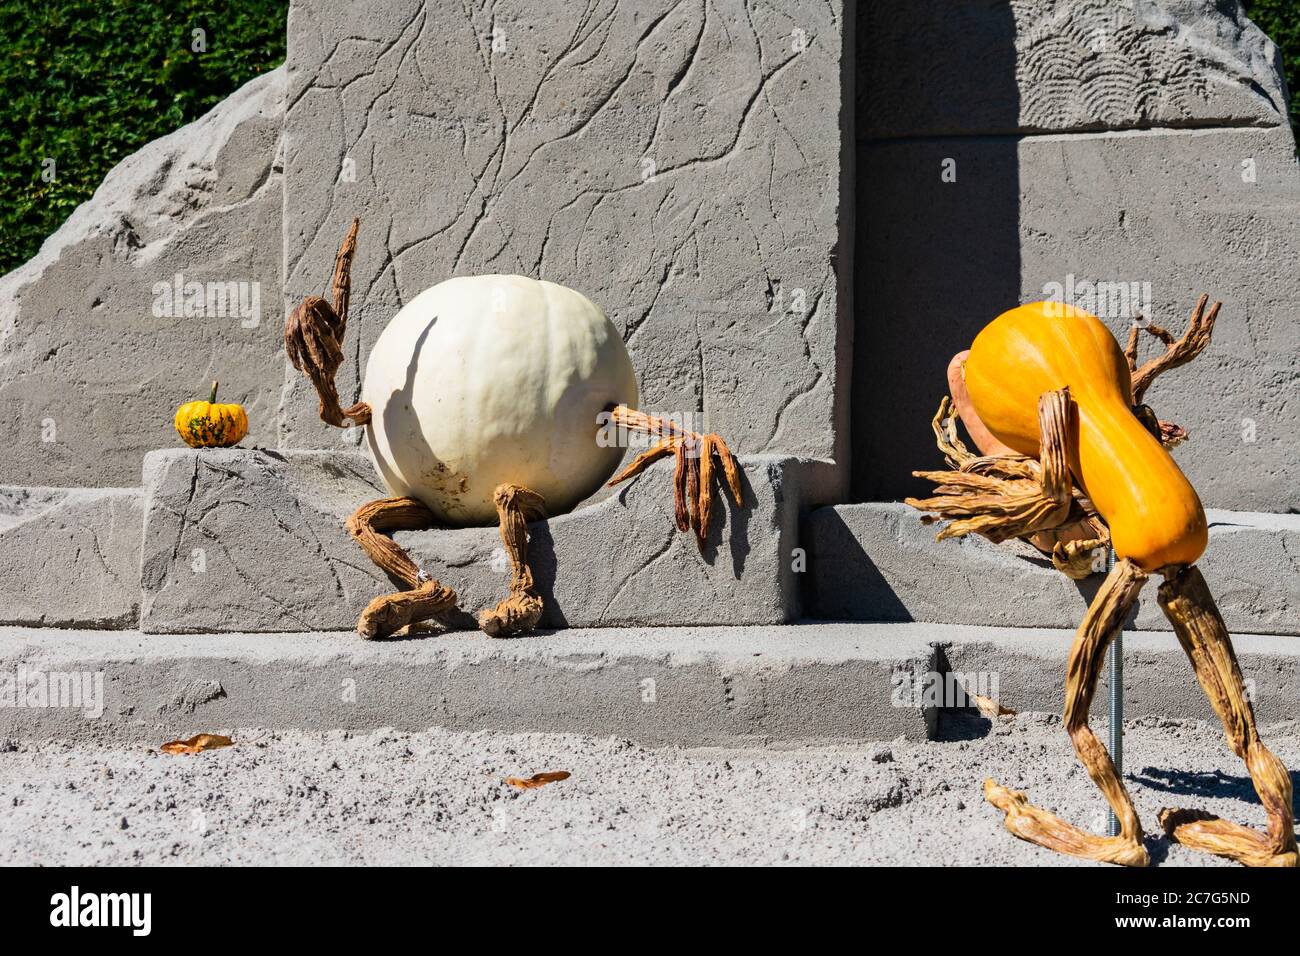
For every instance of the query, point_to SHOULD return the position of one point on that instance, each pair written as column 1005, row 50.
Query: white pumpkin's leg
column 1003, row 498
column 1105, row 616
column 693, row 479
column 1190, row 607
column 313, row 338
column 370, row 525
column 522, row 608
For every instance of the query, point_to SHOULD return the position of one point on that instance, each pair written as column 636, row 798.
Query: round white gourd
column 484, row 380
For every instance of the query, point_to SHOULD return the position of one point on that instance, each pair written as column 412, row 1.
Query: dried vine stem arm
column 371, row 526
column 1105, row 616
column 1003, row 498
column 697, row 457
column 1177, row 351
column 520, row 611
column 313, row 338
column 1188, row 604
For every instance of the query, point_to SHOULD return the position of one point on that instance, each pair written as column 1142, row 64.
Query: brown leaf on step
column 195, row 744
column 537, row 779
column 990, row 707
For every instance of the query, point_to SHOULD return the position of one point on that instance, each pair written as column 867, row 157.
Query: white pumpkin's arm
column 313, row 339
column 693, row 476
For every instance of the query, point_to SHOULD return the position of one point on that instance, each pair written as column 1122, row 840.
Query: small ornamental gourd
column 210, row 424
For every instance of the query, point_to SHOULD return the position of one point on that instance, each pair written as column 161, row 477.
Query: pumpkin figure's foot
column 1198, row 830
column 387, row 615
column 517, row 614
column 698, row 456
column 1036, row 825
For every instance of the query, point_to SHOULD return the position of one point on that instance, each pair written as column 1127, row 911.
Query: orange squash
column 1154, row 514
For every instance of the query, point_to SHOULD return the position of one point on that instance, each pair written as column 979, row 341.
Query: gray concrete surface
column 1055, row 146
column 678, row 163
column 1054, row 66
column 438, row 797
column 94, row 359
column 254, row 540
column 687, row 686
column 878, row 562
column 70, row 557
column 660, row 685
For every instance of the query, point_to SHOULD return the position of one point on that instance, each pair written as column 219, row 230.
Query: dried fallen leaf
column 195, row 744
column 537, row 779
column 991, row 708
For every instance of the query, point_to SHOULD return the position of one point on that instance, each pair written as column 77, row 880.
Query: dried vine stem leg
column 521, row 610
column 370, row 525
column 313, row 338
column 1188, row 604
column 980, row 498
column 1105, row 616
column 693, row 478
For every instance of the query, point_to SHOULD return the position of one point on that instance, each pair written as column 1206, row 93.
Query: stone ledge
column 70, row 557
column 813, row 682
column 878, row 562
column 267, row 531
column 684, row 686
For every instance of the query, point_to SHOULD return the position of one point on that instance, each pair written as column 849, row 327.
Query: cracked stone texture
column 878, row 562
column 1036, row 66
column 89, row 377
column 1169, row 208
column 70, row 557
column 678, row 163
column 275, row 555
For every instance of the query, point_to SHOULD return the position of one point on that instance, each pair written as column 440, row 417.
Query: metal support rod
column 1116, row 710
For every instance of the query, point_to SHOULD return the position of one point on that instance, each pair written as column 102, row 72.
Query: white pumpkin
column 483, row 380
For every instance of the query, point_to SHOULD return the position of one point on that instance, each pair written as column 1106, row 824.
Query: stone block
column 677, row 163
column 1170, row 214
column 878, row 562
column 254, row 540
column 96, row 348
column 70, row 557
column 968, row 67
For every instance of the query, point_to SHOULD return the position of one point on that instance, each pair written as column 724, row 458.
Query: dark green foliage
column 88, row 82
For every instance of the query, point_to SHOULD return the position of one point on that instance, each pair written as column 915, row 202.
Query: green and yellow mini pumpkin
column 211, row 425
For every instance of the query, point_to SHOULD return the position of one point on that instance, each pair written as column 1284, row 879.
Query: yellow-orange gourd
column 209, row 424
column 1154, row 514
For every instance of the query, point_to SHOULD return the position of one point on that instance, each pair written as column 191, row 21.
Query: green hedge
column 88, row 82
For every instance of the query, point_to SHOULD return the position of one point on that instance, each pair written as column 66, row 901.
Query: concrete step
column 784, row 685
column 878, row 562
column 253, row 540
